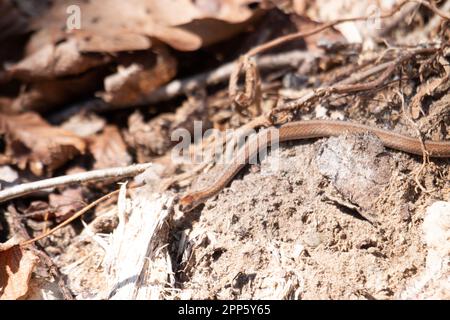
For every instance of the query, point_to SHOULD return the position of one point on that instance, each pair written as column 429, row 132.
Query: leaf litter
column 342, row 218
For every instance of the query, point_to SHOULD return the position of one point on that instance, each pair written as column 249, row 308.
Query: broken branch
column 94, row 175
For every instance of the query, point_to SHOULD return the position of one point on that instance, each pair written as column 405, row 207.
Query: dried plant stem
column 302, row 34
column 72, row 218
column 221, row 74
column 244, row 59
column 176, row 88
column 95, row 175
column 348, row 86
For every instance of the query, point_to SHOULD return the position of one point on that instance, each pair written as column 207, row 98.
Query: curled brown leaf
column 32, row 141
column 133, row 81
column 116, row 25
column 53, row 61
column 109, row 149
column 16, row 267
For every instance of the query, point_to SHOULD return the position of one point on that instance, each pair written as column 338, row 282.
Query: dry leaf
column 53, row 61
column 31, row 140
column 84, row 124
column 135, row 79
column 16, row 266
column 60, row 205
column 428, row 88
column 149, row 139
column 116, row 25
column 65, row 204
column 41, row 96
column 38, row 210
column 109, row 149
column 153, row 138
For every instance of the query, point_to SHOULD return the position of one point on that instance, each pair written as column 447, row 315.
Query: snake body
column 306, row 130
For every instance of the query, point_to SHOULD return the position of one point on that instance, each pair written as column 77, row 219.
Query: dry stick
column 179, row 87
column 347, row 86
column 347, row 82
column 425, row 153
column 94, row 175
column 266, row 120
column 221, row 74
column 365, row 74
column 72, row 218
column 303, row 34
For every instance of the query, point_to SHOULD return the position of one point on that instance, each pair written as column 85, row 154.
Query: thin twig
column 345, row 86
column 83, row 177
column 348, row 86
column 176, row 88
column 221, row 74
column 303, row 34
column 244, row 59
column 72, row 218
column 425, row 153
column 365, row 74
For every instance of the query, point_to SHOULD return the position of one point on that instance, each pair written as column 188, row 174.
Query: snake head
column 188, row 203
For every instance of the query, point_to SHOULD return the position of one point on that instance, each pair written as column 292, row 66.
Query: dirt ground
column 299, row 230
column 292, row 234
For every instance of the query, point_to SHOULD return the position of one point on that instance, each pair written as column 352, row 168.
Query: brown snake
column 306, row 130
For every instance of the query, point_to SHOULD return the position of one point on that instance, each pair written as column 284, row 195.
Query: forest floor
column 341, row 217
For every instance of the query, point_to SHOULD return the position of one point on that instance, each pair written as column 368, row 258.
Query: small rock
column 312, row 239
column 8, row 176
column 358, row 167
